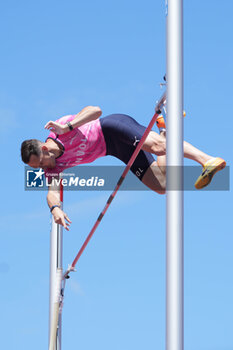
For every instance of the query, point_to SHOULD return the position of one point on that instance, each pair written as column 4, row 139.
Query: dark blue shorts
column 122, row 134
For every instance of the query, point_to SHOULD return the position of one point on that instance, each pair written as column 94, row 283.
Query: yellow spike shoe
column 210, row 168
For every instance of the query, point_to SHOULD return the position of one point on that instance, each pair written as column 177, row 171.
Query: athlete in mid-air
column 84, row 137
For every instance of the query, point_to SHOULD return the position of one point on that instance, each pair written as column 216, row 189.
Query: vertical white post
column 55, row 267
column 174, row 238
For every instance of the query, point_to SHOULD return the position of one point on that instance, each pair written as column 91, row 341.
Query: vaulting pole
column 56, row 274
column 174, row 235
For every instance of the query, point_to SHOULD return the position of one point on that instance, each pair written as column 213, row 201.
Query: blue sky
column 56, row 58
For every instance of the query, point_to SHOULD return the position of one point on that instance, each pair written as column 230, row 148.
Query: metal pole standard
column 56, row 272
column 174, row 236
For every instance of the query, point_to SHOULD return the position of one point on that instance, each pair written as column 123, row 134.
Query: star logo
column 38, row 174
column 34, row 178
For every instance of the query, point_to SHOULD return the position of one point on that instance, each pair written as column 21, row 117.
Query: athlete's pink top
column 81, row 145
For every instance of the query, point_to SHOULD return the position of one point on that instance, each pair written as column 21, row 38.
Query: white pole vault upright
column 174, row 236
column 56, row 274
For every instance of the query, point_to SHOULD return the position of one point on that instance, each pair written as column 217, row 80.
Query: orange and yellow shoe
column 160, row 122
column 210, row 168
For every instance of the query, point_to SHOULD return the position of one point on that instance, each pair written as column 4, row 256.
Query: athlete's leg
column 156, row 144
column 122, row 133
column 155, row 176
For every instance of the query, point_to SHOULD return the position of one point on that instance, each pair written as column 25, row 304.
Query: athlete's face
column 44, row 161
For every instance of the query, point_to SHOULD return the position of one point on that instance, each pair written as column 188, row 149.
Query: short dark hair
column 28, row 148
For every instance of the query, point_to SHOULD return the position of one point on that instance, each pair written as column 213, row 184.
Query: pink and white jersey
column 81, row 145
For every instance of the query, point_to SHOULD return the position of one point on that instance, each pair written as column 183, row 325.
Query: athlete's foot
column 209, row 169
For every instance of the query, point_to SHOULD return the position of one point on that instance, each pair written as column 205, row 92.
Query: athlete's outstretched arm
column 53, row 199
column 86, row 115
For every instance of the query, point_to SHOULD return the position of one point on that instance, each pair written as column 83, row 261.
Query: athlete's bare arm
column 53, row 198
column 86, row 115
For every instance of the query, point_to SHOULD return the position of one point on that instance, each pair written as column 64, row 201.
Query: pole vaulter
column 158, row 108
